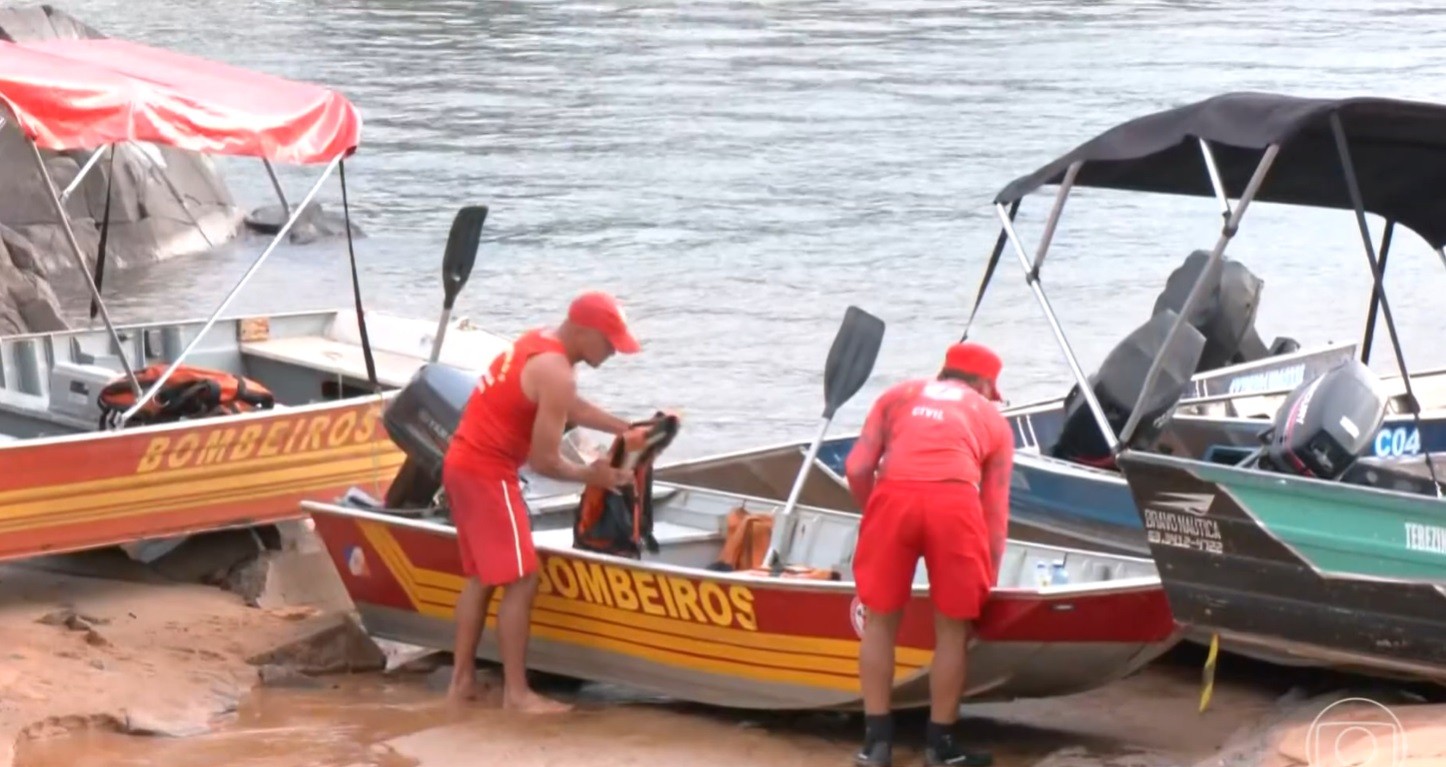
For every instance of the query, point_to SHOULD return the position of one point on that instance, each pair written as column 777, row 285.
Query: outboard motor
column 1226, row 316
column 1326, row 423
column 421, row 420
column 1119, row 382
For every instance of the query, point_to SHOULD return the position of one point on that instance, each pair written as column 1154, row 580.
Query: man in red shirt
column 941, row 453
column 517, row 415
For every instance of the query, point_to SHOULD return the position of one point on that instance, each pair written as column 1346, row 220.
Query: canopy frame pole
column 58, row 207
column 1036, row 286
column 994, row 255
column 276, row 184
column 1197, row 292
column 154, row 170
column 1369, row 334
column 241, row 283
column 84, row 171
column 1215, row 179
column 1353, row 187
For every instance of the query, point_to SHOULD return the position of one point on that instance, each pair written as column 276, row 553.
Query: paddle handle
column 441, row 331
column 783, row 523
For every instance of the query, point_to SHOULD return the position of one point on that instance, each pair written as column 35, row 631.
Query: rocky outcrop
column 164, row 203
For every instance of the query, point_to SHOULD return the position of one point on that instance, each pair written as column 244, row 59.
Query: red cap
column 601, row 312
column 976, row 359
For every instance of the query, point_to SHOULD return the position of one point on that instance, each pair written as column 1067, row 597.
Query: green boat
column 1300, row 546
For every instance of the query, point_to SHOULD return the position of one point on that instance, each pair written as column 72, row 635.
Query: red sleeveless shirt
column 494, row 436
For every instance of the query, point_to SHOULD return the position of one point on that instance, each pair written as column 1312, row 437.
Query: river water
column 740, row 172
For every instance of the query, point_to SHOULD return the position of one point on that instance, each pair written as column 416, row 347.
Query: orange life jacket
column 189, row 392
column 747, row 543
column 620, row 520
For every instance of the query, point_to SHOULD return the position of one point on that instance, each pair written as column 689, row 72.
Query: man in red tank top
column 941, row 454
column 517, row 415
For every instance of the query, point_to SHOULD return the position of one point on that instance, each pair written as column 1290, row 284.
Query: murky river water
column 740, row 172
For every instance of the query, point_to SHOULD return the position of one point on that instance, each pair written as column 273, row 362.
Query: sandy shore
column 132, row 653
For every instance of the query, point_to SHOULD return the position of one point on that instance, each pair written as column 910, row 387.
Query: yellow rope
column 1208, row 673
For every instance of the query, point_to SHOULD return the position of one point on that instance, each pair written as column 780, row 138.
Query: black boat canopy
column 1398, row 149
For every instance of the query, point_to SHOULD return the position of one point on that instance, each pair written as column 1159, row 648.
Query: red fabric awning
column 86, row 94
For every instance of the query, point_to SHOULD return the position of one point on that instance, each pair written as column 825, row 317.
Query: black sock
column 879, row 727
column 937, row 734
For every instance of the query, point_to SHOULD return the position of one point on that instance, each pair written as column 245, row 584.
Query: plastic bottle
column 1058, row 574
column 1041, row 574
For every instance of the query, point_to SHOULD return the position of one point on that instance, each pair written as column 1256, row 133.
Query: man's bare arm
column 550, row 378
column 994, row 497
column 590, row 416
column 863, row 460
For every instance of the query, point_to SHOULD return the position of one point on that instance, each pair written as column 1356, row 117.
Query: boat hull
column 106, row 488
column 734, row 640
column 1342, row 575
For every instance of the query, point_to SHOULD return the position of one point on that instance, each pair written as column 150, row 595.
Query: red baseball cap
column 601, row 312
column 976, row 359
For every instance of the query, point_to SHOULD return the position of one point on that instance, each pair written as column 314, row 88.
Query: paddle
column 850, row 361
column 457, row 262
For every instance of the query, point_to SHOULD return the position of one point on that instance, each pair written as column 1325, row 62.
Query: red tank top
column 494, row 435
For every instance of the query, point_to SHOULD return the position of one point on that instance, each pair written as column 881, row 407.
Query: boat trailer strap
column 361, row 322
column 999, row 244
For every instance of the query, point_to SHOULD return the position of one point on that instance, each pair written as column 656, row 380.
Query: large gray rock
column 150, row 219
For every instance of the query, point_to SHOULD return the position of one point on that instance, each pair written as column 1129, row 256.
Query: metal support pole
column 157, row 171
column 1353, row 187
column 1370, row 332
column 1055, row 211
column 276, row 184
column 1215, row 180
column 84, row 171
column 245, row 278
column 1198, row 290
column 65, row 226
column 1031, row 274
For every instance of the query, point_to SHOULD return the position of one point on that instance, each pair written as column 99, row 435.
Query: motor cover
column 1119, row 381
column 1225, row 315
column 423, row 416
column 1327, row 422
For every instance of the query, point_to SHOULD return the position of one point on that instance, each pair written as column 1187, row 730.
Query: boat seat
column 342, row 359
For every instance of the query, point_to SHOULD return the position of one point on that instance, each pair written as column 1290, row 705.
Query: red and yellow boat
column 668, row 625
column 74, row 475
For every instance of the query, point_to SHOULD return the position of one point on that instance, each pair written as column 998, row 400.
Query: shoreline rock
column 164, row 203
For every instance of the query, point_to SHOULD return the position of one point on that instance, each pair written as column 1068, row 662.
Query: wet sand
column 172, row 659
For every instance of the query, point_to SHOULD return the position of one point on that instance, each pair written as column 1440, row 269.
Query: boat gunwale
column 1132, row 584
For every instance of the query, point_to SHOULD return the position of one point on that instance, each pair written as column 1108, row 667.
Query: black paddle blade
column 461, row 251
column 851, row 358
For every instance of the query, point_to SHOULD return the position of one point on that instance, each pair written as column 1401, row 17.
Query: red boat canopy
column 86, row 94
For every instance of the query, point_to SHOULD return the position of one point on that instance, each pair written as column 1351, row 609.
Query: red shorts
column 494, row 531
column 941, row 521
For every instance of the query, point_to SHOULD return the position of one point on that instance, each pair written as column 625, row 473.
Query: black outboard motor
column 1119, row 382
column 1326, row 423
column 421, row 420
column 1226, row 315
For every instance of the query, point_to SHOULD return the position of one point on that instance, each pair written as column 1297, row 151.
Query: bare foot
column 529, row 702
column 463, row 689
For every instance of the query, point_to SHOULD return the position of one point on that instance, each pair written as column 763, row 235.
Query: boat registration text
column 650, row 593
column 1184, row 531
